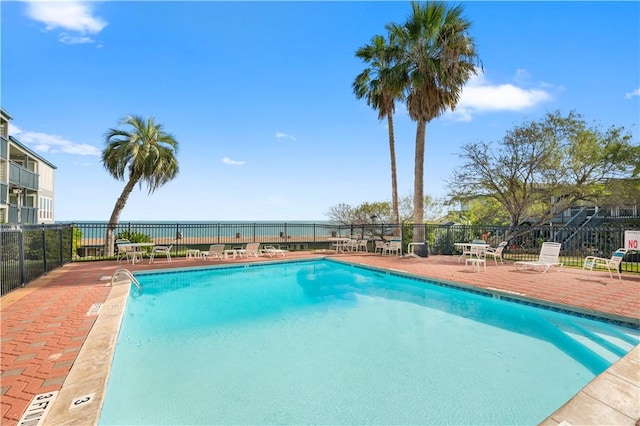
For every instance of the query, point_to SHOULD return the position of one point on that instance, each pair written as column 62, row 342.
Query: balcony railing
column 4, row 148
column 28, row 215
column 4, row 188
column 18, row 175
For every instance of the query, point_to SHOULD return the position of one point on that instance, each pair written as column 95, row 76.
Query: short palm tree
column 143, row 153
column 381, row 88
column 439, row 57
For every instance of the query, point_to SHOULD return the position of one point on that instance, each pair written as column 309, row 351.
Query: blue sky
column 259, row 96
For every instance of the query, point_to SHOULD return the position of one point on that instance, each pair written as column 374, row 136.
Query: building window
column 45, row 208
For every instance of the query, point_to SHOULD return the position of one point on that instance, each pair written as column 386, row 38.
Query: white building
column 27, row 181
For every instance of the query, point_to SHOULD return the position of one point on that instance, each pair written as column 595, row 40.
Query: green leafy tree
column 381, row 211
column 365, row 213
column 381, row 88
column 485, row 211
column 438, row 58
column 542, row 167
column 144, row 153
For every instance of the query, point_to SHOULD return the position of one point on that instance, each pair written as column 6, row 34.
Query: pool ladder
column 128, row 275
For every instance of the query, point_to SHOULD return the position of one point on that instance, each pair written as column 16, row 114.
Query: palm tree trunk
column 115, row 215
column 418, row 184
column 394, row 177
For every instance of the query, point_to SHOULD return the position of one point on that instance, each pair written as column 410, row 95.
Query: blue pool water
column 320, row 342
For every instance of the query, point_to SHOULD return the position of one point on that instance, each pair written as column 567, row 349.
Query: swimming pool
column 326, row 343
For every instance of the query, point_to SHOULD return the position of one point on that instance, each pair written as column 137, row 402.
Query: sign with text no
column 632, row 240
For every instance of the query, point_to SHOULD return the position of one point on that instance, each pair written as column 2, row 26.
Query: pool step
column 608, row 341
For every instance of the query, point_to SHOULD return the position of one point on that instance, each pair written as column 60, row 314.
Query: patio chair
column 123, row 252
column 351, row 245
column 215, row 251
column 362, row 245
column 471, row 249
column 496, row 253
column 379, row 245
column 166, row 250
column 393, row 246
column 251, row 249
column 273, row 251
column 549, row 254
column 611, row 264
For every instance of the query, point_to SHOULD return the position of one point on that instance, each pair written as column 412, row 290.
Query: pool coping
column 87, row 380
column 608, row 398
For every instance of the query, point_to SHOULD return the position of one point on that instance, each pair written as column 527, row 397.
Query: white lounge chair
column 273, row 251
column 549, row 257
column 251, row 249
column 215, row 251
column 611, row 264
column 166, row 250
column 496, row 253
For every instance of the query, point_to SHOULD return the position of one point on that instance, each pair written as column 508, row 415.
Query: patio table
column 137, row 249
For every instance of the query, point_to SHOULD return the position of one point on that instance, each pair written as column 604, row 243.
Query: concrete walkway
column 45, row 324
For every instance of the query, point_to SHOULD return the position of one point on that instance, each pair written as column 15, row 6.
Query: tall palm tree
column 144, row 153
column 439, row 57
column 381, row 87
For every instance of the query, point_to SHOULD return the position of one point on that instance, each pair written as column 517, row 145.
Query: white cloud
column 632, row 94
column 68, row 15
column 480, row 95
column 281, row 135
column 69, row 39
column 54, row 144
column 230, row 162
column 522, row 76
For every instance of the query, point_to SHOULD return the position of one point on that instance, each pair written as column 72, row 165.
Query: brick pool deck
column 45, row 324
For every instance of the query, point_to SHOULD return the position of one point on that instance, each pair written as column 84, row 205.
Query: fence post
column 61, row 245
column 44, row 249
column 21, row 256
column 177, row 239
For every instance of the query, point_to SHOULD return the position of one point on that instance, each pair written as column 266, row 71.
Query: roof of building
column 5, row 113
column 30, row 151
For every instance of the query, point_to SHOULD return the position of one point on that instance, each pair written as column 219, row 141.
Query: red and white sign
column 632, row 240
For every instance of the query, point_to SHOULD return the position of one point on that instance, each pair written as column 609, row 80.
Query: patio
column 45, row 324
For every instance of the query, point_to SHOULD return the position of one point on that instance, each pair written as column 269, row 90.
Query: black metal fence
column 524, row 243
column 90, row 237
column 30, row 251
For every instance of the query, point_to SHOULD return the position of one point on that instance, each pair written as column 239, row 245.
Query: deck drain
column 95, row 308
column 105, row 278
column 37, row 409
